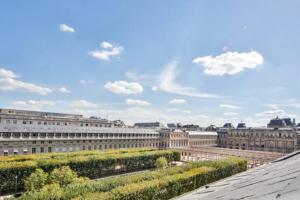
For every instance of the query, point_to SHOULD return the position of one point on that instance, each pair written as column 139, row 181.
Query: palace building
column 202, row 138
column 30, row 132
column 281, row 135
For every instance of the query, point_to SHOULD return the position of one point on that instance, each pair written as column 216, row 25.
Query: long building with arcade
column 30, row 132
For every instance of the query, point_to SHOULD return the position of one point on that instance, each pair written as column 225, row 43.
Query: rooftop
column 71, row 129
column 277, row 180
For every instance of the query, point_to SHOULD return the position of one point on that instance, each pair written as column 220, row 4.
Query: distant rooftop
column 281, row 122
column 277, row 180
column 37, row 113
column 241, row 125
column 148, row 125
column 228, row 125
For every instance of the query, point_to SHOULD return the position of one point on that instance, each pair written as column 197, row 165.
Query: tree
column 36, row 180
column 63, row 176
column 161, row 162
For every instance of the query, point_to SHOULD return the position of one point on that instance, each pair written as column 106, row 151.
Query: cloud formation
column 169, row 84
column 64, row 90
column 137, row 102
column 124, row 87
column 33, row 104
column 9, row 82
column 83, row 82
column 66, row 28
column 228, row 106
column 107, row 52
column 177, row 101
column 229, row 63
column 274, row 113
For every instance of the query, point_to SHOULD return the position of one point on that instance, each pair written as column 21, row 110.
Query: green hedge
column 90, row 164
column 63, row 155
column 165, row 182
column 170, row 186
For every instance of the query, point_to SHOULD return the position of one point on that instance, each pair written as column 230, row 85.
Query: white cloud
column 231, row 114
column 270, row 113
column 33, row 104
column 230, row 62
column 275, row 112
column 124, row 87
column 108, row 50
column 177, row 101
column 169, row 84
column 9, row 82
column 64, row 90
column 154, row 88
column 133, row 76
column 228, row 106
column 66, row 28
column 106, row 45
column 84, row 104
column 137, row 102
column 4, row 73
column 83, row 82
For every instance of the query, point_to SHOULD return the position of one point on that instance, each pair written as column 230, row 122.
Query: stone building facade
column 284, row 138
column 30, row 132
column 173, row 138
column 202, row 138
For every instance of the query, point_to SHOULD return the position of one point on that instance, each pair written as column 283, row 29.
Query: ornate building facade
column 30, row 132
column 202, row 138
column 174, row 138
column 280, row 136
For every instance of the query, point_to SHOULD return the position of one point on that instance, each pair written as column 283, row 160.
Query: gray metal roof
column 72, row 129
column 277, row 180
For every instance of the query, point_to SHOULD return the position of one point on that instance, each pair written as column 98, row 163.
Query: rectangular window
column 49, row 149
column 33, row 150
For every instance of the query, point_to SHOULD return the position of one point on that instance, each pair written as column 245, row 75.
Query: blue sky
column 203, row 62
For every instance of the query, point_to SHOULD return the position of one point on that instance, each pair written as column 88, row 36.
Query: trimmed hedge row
column 12, row 174
column 64, row 155
column 168, row 187
column 108, row 187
